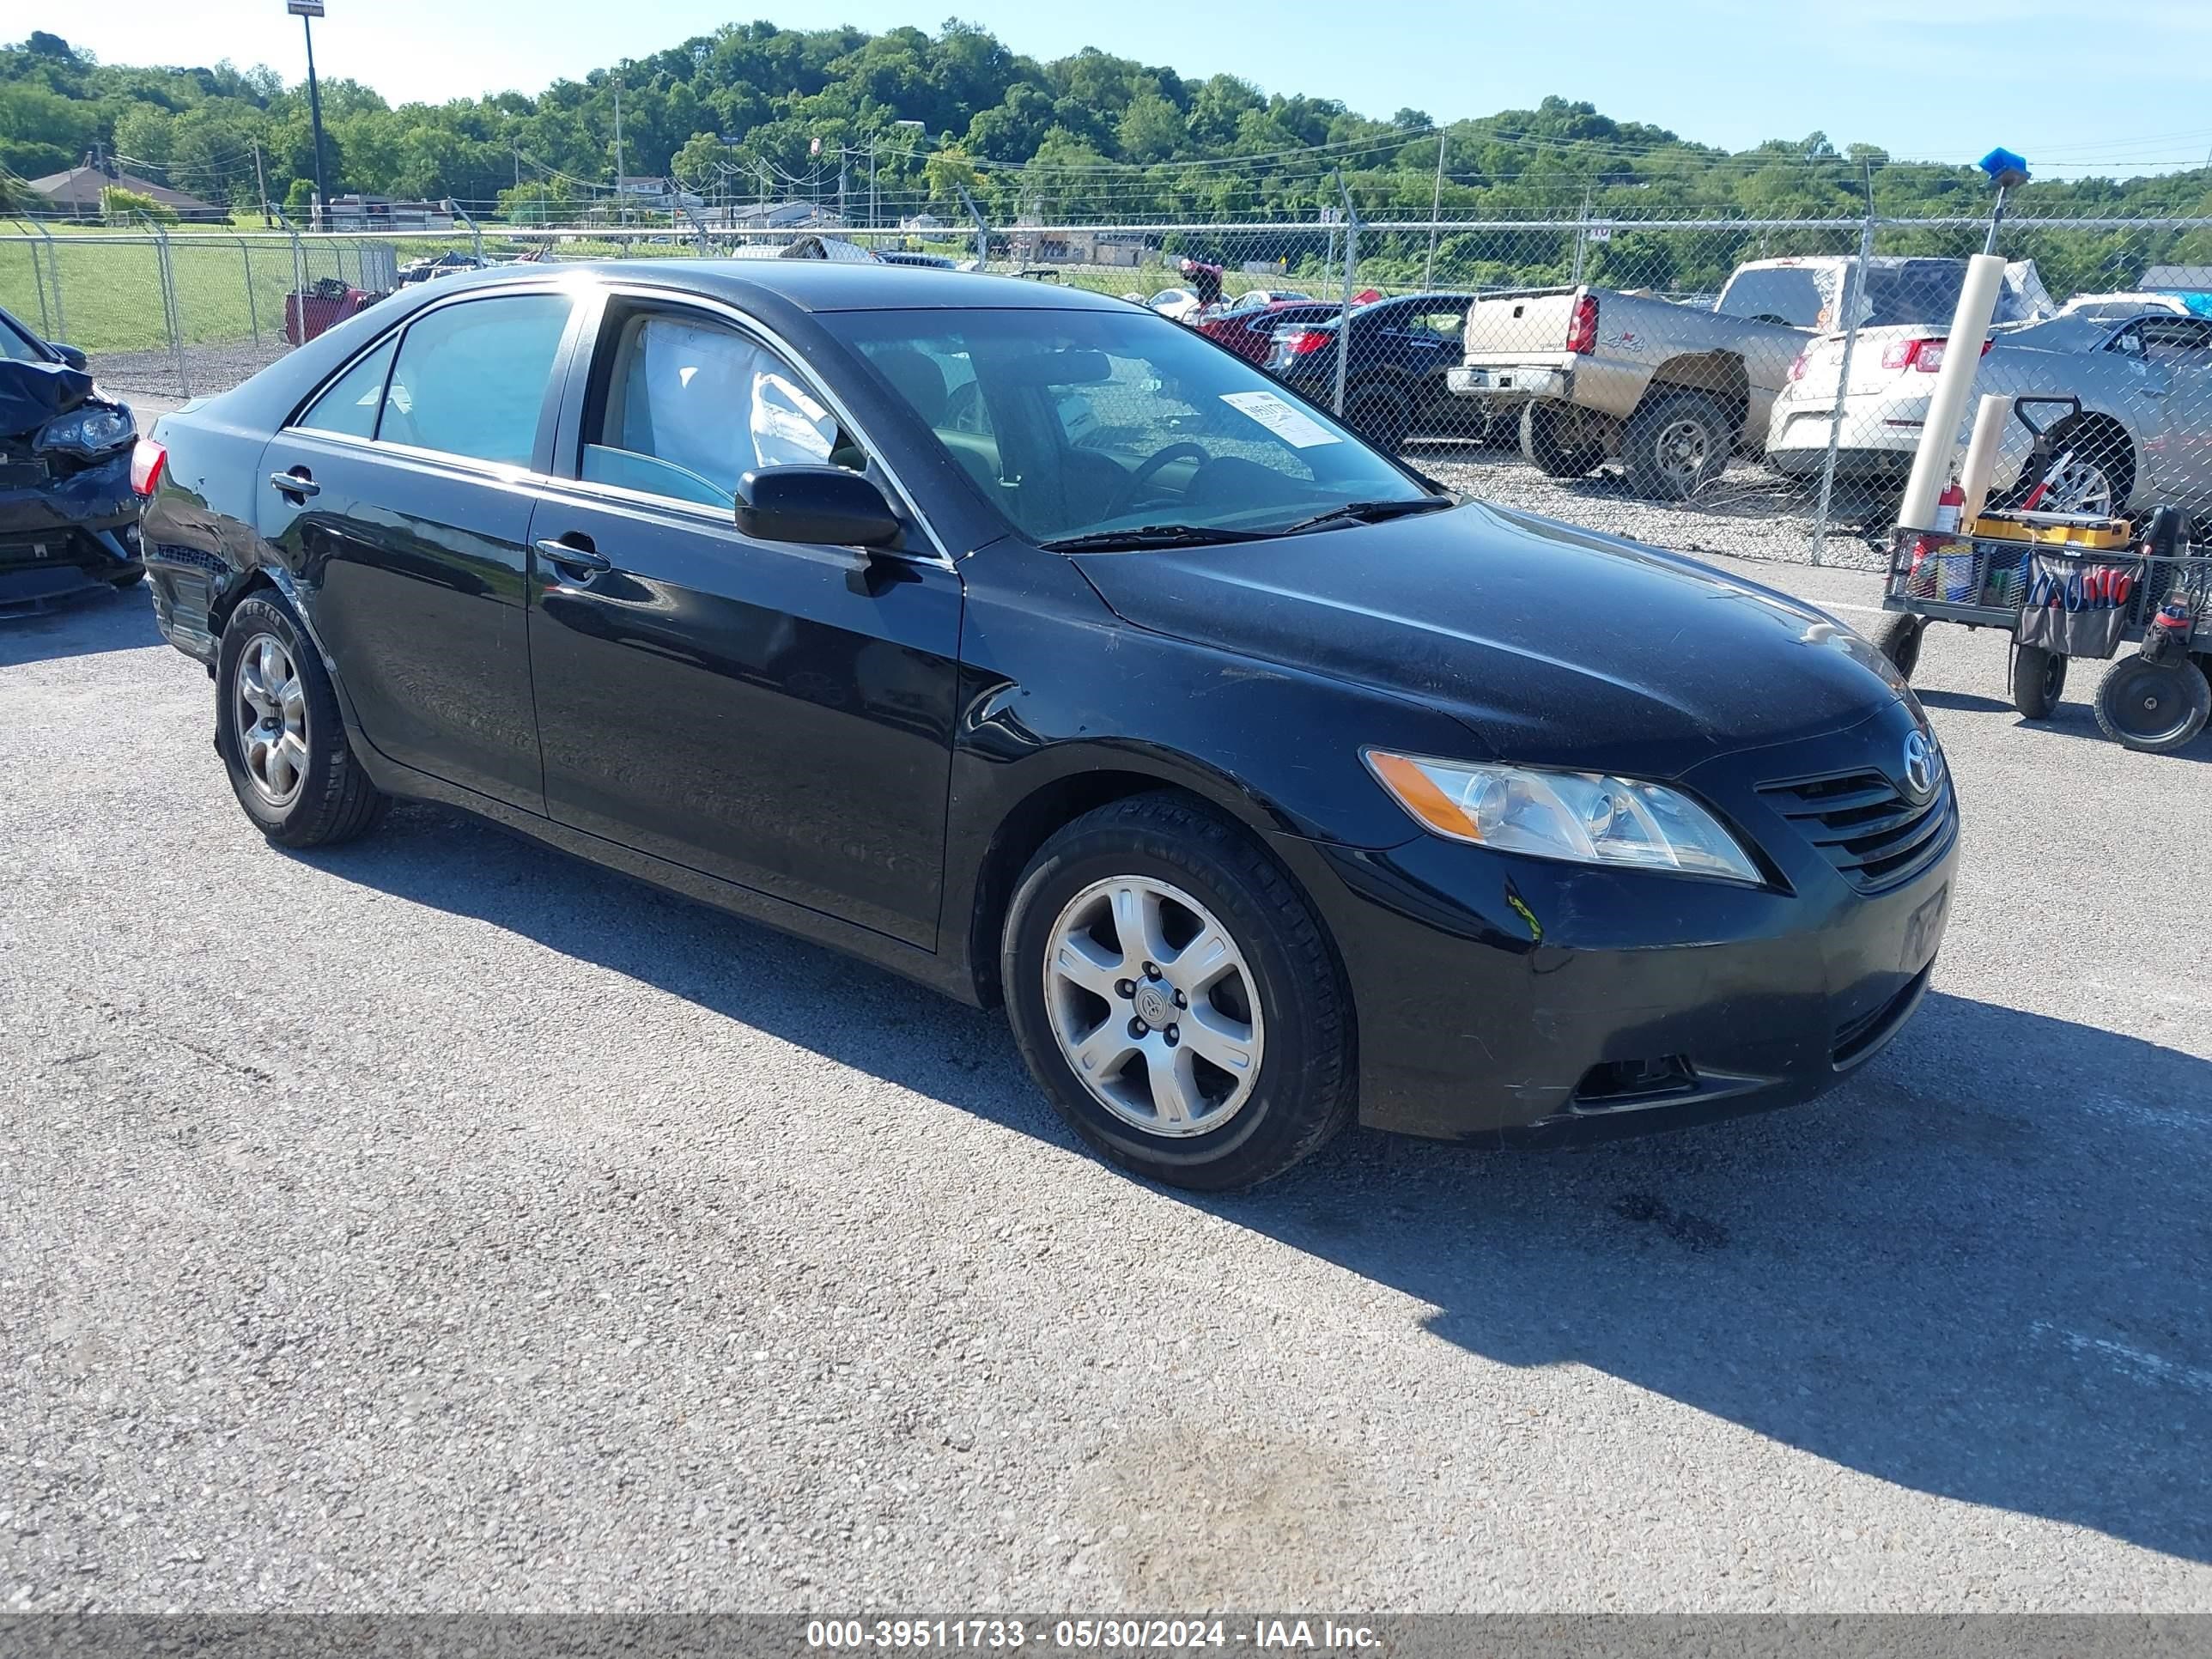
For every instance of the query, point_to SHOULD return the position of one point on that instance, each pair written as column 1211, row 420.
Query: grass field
column 233, row 289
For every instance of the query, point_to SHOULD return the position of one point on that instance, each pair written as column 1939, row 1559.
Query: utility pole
column 872, row 184
column 261, row 185
column 1436, row 205
column 620, row 214
column 307, row 11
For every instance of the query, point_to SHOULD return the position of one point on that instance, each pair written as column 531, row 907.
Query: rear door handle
column 295, row 484
column 581, row 558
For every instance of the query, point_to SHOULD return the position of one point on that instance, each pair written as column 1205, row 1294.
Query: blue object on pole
column 2005, row 169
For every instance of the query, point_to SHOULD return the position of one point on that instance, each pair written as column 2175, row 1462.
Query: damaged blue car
column 68, row 517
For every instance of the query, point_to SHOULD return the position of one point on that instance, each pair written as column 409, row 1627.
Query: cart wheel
column 1897, row 636
column 2154, row 707
column 2037, row 677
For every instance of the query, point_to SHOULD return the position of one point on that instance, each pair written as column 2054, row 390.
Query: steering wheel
column 1150, row 467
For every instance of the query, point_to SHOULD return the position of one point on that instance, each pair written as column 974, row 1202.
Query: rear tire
column 280, row 734
column 1552, row 442
column 2037, row 677
column 1379, row 415
column 1149, row 882
column 1677, row 443
column 2153, row 708
column 1898, row 636
column 2099, row 477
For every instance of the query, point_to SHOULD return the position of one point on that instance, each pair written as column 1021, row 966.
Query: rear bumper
column 1508, row 1001
column 1877, row 436
column 1511, row 383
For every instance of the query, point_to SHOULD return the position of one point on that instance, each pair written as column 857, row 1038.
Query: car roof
column 823, row 285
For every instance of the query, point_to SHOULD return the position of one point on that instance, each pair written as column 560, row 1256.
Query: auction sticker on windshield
column 1292, row 425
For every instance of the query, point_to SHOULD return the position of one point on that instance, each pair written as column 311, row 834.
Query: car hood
column 31, row 394
column 1555, row 645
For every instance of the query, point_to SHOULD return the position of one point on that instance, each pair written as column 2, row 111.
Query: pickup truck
column 1674, row 390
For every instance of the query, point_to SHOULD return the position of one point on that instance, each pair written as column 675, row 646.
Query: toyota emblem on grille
column 1921, row 766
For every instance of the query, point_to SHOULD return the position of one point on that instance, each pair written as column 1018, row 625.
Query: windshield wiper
column 1153, row 535
column 1368, row 513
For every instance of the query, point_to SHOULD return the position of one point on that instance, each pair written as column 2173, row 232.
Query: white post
column 1954, row 384
column 1436, row 205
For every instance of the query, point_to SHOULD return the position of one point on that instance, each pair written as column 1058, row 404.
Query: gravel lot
column 439, row 1223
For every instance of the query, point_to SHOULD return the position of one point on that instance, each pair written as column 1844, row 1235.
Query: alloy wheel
column 1153, row 1006
column 1682, row 450
column 268, row 712
column 2078, row 485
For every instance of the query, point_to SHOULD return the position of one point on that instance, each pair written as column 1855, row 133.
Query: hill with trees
column 754, row 111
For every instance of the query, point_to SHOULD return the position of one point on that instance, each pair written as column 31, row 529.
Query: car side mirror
column 68, row 354
column 822, row 505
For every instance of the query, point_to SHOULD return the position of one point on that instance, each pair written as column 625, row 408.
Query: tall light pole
column 307, row 11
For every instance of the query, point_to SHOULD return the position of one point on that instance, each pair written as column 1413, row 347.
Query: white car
column 1258, row 299
column 2123, row 304
column 2143, row 433
column 1177, row 303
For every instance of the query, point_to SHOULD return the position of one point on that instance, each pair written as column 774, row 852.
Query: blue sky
column 2124, row 87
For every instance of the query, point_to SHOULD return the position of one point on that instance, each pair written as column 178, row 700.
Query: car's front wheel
column 1176, row 997
column 279, row 732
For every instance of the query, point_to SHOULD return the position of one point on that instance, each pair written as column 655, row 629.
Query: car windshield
column 1085, row 423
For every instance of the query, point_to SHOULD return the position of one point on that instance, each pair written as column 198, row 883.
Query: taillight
column 148, row 462
column 1582, row 330
column 1924, row 354
column 1298, row 342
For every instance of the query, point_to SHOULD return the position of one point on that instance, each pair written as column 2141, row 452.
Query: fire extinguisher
column 1950, row 507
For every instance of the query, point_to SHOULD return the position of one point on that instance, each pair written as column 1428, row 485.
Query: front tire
column 280, row 734
column 2154, row 708
column 1228, row 1061
column 2037, row 677
column 1555, row 439
column 1898, row 637
column 1379, row 415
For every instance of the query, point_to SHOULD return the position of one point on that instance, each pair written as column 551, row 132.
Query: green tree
column 119, row 206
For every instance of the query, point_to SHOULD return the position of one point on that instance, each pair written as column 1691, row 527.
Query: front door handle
column 585, row 557
column 295, row 484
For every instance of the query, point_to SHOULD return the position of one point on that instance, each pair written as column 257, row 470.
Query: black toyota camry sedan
column 1038, row 648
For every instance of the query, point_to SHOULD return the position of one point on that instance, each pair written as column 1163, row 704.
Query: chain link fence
column 1746, row 386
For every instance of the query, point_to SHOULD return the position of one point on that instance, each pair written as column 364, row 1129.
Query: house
column 76, row 192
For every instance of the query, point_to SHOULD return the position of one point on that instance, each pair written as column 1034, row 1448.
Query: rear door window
column 471, row 379
column 349, row 403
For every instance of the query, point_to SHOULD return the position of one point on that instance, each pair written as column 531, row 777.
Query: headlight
column 1586, row 817
column 92, row 431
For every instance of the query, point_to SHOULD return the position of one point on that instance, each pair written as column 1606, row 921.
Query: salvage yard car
column 1675, row 389
column 2143, row 377
column 1266, row 785
column 69, row 518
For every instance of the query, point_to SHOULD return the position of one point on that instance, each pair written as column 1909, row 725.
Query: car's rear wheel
column 279, row 732
column 1898, row 637
column 1379, row 415
column 1676, row 444
column 2092, row 470
column 1177, row 997
column 2154, row 707
column 2037, row 677
column 1557, row 440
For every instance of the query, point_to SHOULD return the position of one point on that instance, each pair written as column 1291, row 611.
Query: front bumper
column 64, row 534
column 1504, row 1000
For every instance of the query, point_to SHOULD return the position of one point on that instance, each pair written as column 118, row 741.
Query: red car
column 1250, row 331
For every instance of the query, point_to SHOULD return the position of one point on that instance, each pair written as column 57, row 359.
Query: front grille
column 1866, row 828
